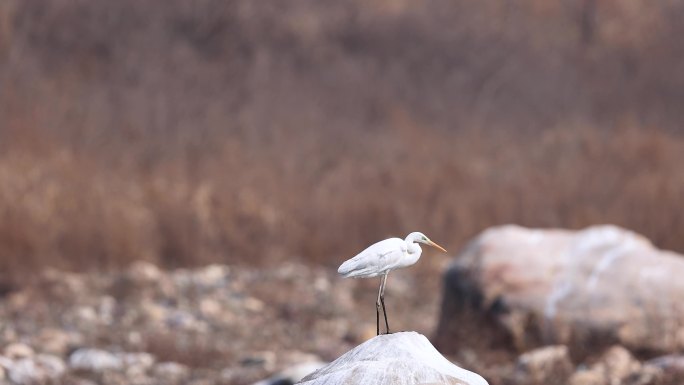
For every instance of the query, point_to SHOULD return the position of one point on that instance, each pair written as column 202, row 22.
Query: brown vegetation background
column 258, row 131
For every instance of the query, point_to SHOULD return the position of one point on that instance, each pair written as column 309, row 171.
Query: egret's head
column 422, row 238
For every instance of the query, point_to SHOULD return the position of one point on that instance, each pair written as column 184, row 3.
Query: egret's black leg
column 377, row 310
column 377, row 318
column 382, row 300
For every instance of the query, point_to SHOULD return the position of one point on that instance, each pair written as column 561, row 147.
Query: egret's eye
column 424, row 238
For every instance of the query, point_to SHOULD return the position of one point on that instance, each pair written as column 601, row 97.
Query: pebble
column 94, row 360
column 210, row 307
column 261, row 359
column 24, row 371
column 183, row 320
column 171, row 372
column 55, row 341
column 36, row 370
column 142, row 360
column 201, row 381
column 106, row 309
column 153, row 312
column 144, row 272
column 253, row 304
column 212, row 276
column 16, row 351
column 85, row 315
column 5, row 363
column 52, row 365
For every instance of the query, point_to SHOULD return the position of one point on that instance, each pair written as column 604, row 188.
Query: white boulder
column 404, row 358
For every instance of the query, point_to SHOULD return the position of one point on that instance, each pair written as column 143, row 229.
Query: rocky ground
column 210, row 325
column 239, row 325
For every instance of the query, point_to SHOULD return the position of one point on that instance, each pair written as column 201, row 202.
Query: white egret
column 381, row 258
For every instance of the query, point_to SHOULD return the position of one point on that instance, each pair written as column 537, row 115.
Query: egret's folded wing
column 374, row 260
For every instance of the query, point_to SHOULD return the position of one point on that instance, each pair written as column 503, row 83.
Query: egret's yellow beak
column 436, row 246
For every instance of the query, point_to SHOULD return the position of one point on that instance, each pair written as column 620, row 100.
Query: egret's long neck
column 414, row 248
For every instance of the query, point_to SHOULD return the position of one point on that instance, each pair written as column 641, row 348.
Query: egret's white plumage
column 382, row 257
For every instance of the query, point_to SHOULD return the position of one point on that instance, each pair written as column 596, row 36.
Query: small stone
column 142, row 360
column 62, row 284
column 5, row 363
column 80, row 381
column 36, row 370
column 106, row 309
column 547, row 365
column 210, row 307
column 54, row 341
column 144, row 272
column 86, row 315
column 17, row 351
column 134, row 338
column 94, row 360
column 261, row 359
column 201, row 381
column 616, row 366
column 253, row 304
column 649, row 375
column 212, row 276
column 296, row 357
column 322, row 284
column 153, row 312
column 587, row 377
column 171, row 372
column 183, row 320
column 119, row 378
column 18, row 300
column 672, row 366
column 619, row 363
column 136, row 372
column 8, row 334
column 51, row 365
column 295, row 373
column 249, row 375
column 24, row 371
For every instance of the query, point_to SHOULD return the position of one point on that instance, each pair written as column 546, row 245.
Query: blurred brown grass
column 247, row 132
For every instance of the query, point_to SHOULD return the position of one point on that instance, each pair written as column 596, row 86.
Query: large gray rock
column 587, row 289
column 404, row 358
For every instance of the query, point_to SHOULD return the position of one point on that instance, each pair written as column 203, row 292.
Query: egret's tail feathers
column 346, row 268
